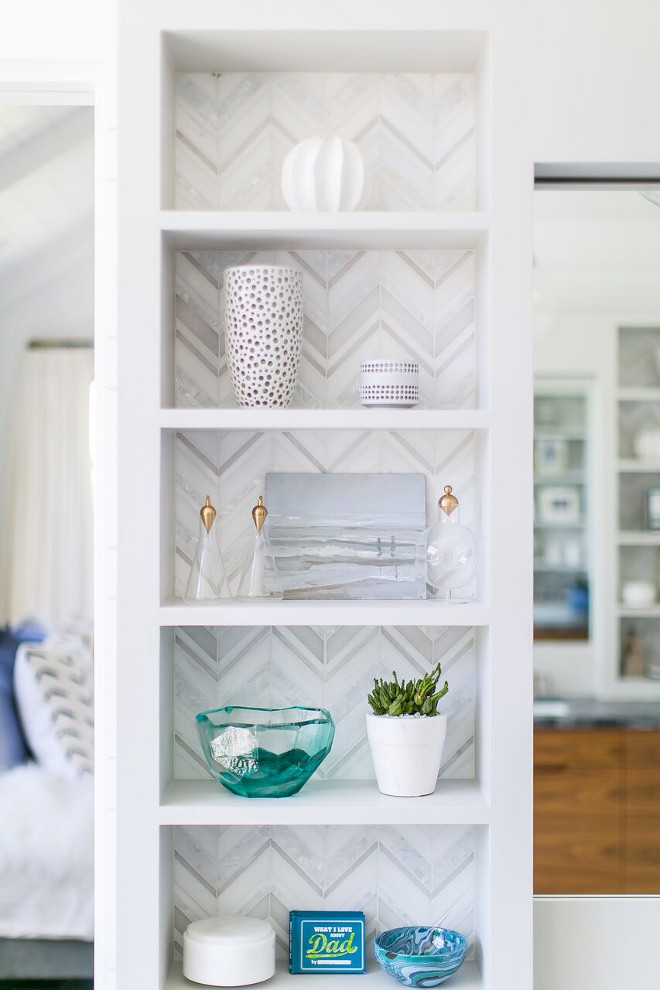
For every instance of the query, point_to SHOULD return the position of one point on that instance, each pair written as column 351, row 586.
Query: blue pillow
column 29, row 631
column 13, row 748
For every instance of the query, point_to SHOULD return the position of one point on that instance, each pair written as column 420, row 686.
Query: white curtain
column 48, row 569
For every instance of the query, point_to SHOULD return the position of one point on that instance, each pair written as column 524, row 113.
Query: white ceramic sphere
column 323, row 174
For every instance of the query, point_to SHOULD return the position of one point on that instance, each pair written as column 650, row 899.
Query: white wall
column 36, row 30
column 581, row 345
column 596, row 943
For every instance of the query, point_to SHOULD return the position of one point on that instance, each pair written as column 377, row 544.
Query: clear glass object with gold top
column 451, row 553
column 259, row 561
column 208, row 579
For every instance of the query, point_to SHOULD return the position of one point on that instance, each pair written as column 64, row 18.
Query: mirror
column 46, row 579
column 597, row 540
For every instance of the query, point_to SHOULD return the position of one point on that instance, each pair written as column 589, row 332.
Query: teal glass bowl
column 422, row 956
column 265, row 752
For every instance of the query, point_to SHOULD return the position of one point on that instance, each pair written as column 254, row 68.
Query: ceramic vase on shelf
column 451, row 553
column 207, row 581
column 323, row 174
column 264, row 322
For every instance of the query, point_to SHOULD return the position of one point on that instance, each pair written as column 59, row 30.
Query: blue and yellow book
column 326, row 942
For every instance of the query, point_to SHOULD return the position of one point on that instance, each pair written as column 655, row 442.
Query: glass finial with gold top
column 207, row 581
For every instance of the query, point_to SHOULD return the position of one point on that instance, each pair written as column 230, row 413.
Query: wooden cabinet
column 578, row 826
column 596, row 811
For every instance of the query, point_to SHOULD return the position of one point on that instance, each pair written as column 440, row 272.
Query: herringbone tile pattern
column 327, row 667
column 411, row 305
column 397, row 875
column 415, row 131
column 230, row 467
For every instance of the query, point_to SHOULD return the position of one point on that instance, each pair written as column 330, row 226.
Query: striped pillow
column 53, row 684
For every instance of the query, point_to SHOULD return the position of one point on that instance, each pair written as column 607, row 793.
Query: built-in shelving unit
column 638, row 472
column 562, row 552
column 442, row 285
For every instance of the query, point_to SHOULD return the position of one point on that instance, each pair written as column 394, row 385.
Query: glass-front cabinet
column 561, row 500
column 638, row 470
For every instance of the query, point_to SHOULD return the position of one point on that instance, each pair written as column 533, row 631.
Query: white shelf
column 639, row 394
column 639, row 538
column 576, row 477
column 324, row 613
column 211, row 230
column 324, row 802
column 324, row 419
column 542, row 568
column 467, row 978
column 581, row 524
column 637, row 466
column 559, row 433
column 637, row 689
column 627, row 612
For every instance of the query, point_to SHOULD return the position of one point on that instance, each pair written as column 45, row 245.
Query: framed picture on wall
column 559, row 505
column 550, row 456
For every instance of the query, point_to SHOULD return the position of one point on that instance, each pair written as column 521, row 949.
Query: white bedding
column 46, row 855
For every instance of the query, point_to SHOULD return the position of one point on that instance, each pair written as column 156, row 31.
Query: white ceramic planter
column 264, row 323
column 323, row 174
column 406, row 752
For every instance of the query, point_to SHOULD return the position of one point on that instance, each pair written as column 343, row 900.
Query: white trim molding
column 59, row 83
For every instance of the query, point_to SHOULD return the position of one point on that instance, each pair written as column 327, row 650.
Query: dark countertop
column 586, row 713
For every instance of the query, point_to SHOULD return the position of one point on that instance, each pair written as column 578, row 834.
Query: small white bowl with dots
column 389, row 383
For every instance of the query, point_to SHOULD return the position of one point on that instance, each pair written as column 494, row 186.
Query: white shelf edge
column 324, row 802
column 319, row 613
column 190, row 229
column 626, row 612
column 638, row 538
column 581, row 524
column 559, row 434
column 561, row 478
column 467, row 978
column 633, row 393
column 637, row 689
column 324, row 419
column 633, row 466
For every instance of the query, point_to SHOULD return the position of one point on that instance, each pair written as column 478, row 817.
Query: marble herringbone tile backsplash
column 333, row 668
column 230, row 467
column 415, row 131
column 411, row 305
column 398, row 875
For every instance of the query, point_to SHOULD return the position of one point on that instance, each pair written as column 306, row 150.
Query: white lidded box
column 389, row 382
column 228, row 951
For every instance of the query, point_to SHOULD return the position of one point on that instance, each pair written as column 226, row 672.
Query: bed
column 46, row 807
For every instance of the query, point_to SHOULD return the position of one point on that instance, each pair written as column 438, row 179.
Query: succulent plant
column 408, row 697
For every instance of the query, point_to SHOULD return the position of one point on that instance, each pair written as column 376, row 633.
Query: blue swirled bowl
column 420, row 957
